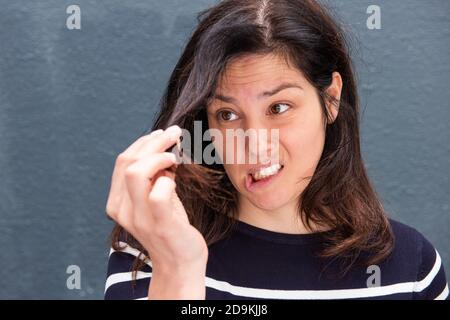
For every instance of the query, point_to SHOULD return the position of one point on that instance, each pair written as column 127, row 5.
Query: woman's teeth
column 266, row 172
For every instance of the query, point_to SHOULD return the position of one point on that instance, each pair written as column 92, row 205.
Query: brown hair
column 339, row 195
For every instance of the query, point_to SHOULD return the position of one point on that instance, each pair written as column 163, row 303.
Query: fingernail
column 174, row 131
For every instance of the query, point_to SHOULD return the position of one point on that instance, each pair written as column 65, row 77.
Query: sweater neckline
column 279, row 237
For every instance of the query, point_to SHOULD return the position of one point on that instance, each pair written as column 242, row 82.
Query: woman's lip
column 253, row 186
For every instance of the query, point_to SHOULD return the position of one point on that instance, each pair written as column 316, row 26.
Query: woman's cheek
column 235, row 176
column 227, row 152
column 305, row 151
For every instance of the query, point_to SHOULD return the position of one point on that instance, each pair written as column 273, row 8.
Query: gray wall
column 71, row 100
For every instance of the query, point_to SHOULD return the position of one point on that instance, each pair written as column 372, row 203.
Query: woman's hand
column 152, row 212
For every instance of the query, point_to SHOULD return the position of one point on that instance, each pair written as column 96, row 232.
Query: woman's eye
column 279, row 108
column 225, row 115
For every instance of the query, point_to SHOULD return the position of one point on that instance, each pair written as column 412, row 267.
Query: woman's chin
column 267, row 202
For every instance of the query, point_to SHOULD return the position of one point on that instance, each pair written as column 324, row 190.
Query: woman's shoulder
column 404, row 228
column 412, row 245
column 417, row 258
column 409, row 240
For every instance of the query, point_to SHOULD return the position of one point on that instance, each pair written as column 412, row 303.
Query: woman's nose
column 262, row 144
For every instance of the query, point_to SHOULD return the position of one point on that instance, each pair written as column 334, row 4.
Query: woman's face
column 294, row 110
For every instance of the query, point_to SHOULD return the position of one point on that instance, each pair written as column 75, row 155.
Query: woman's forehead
column 257, row 72
column 254, row 66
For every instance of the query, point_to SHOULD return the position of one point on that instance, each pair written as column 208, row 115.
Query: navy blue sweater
column 253, row 263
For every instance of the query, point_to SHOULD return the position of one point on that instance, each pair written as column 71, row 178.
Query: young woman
column 306, row 225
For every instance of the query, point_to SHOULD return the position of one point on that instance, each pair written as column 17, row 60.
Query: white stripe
column 125, row 276
column 133, row 251
column 443, row 295
column 404, row 287
column 421, row 285
column 310, row 294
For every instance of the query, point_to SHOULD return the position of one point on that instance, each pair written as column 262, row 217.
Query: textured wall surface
column 71, row 100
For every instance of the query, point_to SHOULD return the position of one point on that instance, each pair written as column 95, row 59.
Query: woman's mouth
column 262, row 177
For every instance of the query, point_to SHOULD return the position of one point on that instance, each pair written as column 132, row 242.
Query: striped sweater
column 253, row 263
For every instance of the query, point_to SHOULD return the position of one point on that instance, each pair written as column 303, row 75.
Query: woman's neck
column 284, row 219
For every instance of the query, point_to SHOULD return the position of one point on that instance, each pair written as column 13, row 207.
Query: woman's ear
column 334, row 90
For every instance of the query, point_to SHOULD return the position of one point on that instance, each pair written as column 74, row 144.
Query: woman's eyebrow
column 281, row 87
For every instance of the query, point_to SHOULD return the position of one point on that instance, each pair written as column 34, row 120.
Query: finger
column 123, row 160
column 178, row 207
column 160, row 143
column 137, row 175
column 169, row 174
column 135, row 146
column 160, row 199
